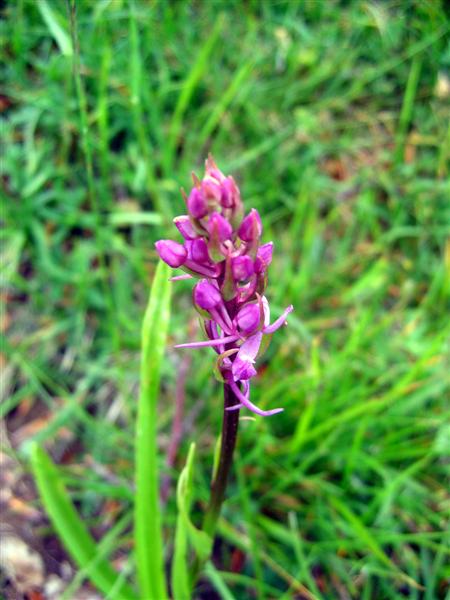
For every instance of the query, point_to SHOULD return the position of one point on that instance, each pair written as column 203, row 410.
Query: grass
column 333, row 117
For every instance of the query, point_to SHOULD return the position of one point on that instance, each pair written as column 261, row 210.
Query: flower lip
column 172, row 253
column 243, row 370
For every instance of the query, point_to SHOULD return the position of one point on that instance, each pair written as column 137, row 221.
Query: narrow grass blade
column 104, row 548
column 148, row 535
column 408, row 106
column 70, row 528
column 194, row 76
column 60, row 36
column 365, row 535
column 216, row 579
column 124, row 219
column 224, row 102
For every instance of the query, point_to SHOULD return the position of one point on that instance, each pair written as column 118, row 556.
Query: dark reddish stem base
column 229, row 433
column 230, row 425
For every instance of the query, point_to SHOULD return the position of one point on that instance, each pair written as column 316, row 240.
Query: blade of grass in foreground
column 71, row 529
column 147, row 533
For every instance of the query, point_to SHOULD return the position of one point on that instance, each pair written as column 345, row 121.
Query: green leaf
column 186, row 532
column 70, row 528
column 216, row 579
column 125, row 218
column 180, row 573
column 60, row 36
column 147, row 522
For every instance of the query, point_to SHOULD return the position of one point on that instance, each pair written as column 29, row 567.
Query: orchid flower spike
column 222, row 248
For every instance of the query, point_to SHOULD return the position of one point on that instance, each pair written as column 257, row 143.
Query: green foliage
column 71, row 529
column 148, row 536
column 187, row 532
column 333, row 117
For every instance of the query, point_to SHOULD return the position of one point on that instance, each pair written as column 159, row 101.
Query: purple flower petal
column 206, row 271
column 218, row 227
column 218, row 342
column 231, row 196
column 215, row 314
column 184, row 226
column 242, row 367
column 280, row 321
column 266, row 309
column 181, row 277
column 243, row 370
column 247, row 319
column 263, row 257
column 251, row 228
column 172, row 253
column 211, row 189
column 242, row 268
column 246, row 392
column 196, row 203
column 198, row 251
column 206, row 296
column 246, row 402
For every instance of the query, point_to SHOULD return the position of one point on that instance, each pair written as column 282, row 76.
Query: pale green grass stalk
column 147, row 519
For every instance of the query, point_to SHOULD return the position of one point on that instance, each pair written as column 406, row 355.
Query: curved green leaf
column 147, row 521
column 71, row 529
column 180, row 573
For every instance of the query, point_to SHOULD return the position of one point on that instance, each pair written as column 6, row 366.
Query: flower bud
column 184, row 226
column 212, row 170
column 206, row 296
column 251, row 228
column 230, row 193
column 263, row 257
column 196, row 203
column 242, row 268
column 218, row 227
column 248, row 318
column 211, row 189
column 172, row 253
column 199, row 251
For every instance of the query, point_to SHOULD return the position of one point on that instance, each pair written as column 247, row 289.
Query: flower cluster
column 222, row 248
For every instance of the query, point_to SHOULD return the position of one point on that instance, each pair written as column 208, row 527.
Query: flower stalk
column 230, row 425
column 222, row 249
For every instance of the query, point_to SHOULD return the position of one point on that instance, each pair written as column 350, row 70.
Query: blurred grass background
column 333, row 118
